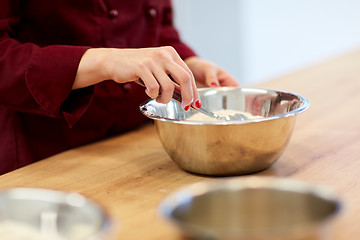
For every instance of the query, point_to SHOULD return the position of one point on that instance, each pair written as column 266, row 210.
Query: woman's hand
column 208, row 74
column 152, row 65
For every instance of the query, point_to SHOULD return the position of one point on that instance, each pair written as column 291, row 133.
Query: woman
column 67, row 72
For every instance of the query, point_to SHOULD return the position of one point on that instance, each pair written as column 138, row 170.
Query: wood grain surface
column 130, row 174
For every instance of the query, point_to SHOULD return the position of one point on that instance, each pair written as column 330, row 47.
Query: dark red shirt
column 41, row 44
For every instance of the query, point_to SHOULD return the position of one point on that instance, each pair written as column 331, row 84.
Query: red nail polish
column 198, row 104
column 187, row 108
column 214, row 84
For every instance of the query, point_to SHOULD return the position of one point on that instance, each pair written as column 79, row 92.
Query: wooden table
column 131, row 173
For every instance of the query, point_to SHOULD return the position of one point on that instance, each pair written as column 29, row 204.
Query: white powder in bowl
column 200, row 117
column 14, row 230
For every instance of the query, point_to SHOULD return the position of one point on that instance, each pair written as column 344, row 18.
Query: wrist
column 191, row 59
column 91, row 68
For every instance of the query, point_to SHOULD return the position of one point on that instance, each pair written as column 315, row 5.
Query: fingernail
column 214, row 84
column 187, row 108
column 198, row 104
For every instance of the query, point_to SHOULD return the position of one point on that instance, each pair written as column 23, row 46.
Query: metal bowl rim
column 305, row 105
column 49, row 194
column 172, row 201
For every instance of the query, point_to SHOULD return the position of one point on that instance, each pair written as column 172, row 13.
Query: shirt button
column 127, row 87
column 113, row 13
column 151, row 12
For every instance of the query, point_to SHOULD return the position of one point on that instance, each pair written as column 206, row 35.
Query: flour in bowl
column 200, row 117
column 14, row 230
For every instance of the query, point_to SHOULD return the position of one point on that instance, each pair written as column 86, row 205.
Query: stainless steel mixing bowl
column 253, row 208
column 51, row 215
column 228, row 147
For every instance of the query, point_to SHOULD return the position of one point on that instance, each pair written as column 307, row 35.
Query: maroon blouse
column 41, row 44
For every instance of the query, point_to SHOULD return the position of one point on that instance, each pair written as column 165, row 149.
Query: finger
column 226, row 79
column 167, row 86
column 189, row 93
column 151, row 84
column 211, row 78
column 196, row 102
column 182, row 77
column 177, row 59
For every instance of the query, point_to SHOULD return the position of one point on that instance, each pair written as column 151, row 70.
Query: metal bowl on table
column 43, row 214
column 253, row 208
column 232, row 147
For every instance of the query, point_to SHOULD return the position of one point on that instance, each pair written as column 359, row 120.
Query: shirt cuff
column 50, row 76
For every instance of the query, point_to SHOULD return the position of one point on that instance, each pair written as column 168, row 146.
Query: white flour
column 223, row 113
column 15, row 230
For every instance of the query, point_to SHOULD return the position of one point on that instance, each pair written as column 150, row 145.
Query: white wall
column 212, row 28
column 256, row 40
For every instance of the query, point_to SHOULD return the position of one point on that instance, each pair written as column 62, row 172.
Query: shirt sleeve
column 170, row 36
column 38, row 79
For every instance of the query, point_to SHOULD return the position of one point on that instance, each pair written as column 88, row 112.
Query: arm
column 55, row 80
column 152, row 65
column 35, row 79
